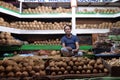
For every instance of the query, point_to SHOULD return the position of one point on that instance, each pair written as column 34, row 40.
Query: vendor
column 70, row 43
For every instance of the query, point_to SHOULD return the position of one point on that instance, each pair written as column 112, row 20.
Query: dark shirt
column 70, row 42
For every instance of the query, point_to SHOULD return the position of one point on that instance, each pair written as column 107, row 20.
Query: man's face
column 67, row 30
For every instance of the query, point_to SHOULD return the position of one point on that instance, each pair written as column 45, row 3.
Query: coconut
column 77, row 72
column 83, row 71
column 10, row 74
column 53, row 73
column 2, row 69
column 65, row 72
column 95, row 71
column 72, row 72
column 32, row 73
column 25, row 74
column 42, row 73
column 36, row 68
column 101, row 66
column 59, row 73
column 106, row 70
column 9, row 68
column 88, row 71
column 92, row 62
column 18, row 74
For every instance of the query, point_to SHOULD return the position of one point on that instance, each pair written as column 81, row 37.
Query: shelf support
column 73, row 6
column 20, row 6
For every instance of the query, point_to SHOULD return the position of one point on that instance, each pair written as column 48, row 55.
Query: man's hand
column 69, row 48
column 75, row 50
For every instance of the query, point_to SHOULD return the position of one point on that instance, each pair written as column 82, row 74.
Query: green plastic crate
column 87, row 47
column 38, row 47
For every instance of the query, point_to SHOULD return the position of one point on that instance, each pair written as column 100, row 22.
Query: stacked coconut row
column 39, row 9
column 49, row 9
column 7, row 39
column 104, row 25
column 99, row 10
column 4, row 23
column 8, row 5
column 34, row 25
column 45, row 9
column 75, row 65
column 107, row 10
column 38, row 25
column 22, row 67
column 47, row 42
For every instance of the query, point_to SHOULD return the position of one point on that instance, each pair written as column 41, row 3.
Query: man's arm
column 63, row 45
column 77, row 46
